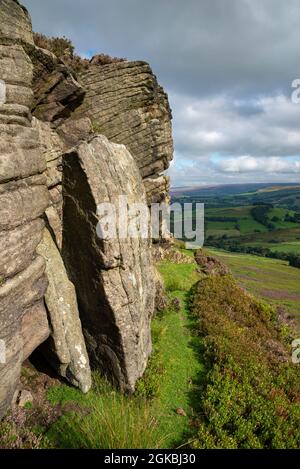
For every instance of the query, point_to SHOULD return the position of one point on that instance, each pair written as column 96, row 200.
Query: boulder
column 113, row 277
column 161, row 300
column 24, row 397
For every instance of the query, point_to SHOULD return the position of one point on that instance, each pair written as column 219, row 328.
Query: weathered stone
column 56, row 91
column 11, row 368
column 23, row 199
column 20, row 155
column 34, row 328
column 15, row 22
column 21, row 291
column 22, row 205
column 54, row 213
column 24, row 397
column 66, row 348
column 168, row 252
column 72, row 131
column 113, row 278
column 18, row 296
column 52, row 147
column 161, row 301
column 55, row 225
column 17, row 247
column 157, row 189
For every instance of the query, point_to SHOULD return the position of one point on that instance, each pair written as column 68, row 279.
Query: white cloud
column 226, row 137
column 250, row 164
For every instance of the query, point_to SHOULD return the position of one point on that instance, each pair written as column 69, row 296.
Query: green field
column 246, row 225
column 230, row 218
column 271, row 279
column 288, row 247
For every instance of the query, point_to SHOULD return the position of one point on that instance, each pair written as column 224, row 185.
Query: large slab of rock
column 113, row 277
column 66, row 349
column 53, row 143
column 126, row 104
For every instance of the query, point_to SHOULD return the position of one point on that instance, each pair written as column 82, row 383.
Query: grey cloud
column 227, row 65
column 196, row 46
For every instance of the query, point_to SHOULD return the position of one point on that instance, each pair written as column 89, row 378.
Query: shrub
column 64, row 50
column 57, row 45
column 251, row 396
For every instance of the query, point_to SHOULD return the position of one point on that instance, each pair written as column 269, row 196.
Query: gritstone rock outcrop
column 56, row 274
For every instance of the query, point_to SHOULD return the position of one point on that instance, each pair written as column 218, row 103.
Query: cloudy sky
column 227, row 65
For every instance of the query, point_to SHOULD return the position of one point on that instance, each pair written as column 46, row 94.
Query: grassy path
column 177, row 349
column 106, row 419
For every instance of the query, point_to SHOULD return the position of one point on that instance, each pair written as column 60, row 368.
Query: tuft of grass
column 107, row 420
column 178, row 277
column 149, row 386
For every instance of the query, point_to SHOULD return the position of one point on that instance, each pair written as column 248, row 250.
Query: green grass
column 107, row 419
column 281, row 213
column 220, row 233
column 178, row 277
column 238, row 212
column 271, row 279
column 290, row 246
column 249, row 225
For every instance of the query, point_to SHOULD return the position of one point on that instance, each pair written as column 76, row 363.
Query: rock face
column 52, row 173
column 113, row 277
column 23, row 200
column 126, row 104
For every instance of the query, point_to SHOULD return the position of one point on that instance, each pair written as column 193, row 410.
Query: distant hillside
column 231, row 189
column 232, row 195
column 259, row 218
